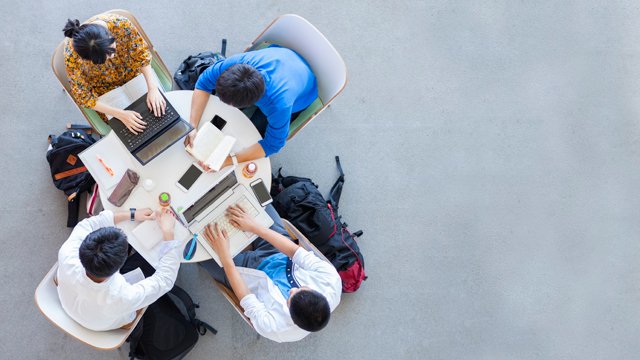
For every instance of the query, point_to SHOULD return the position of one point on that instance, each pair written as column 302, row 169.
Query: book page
column 148, row 239
column 221, row 152
column 135, row 88
column 134, row 276
column 206, row 141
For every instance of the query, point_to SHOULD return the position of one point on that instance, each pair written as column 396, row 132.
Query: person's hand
column 191, row 137
column 132, row 120
column 167, row 223
column 240, row 219
column 144, row 214
column 156, row 102
column 218, row 239
column 205, row 167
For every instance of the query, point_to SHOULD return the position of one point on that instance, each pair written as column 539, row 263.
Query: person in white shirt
column 91, row 289
column 286, row 291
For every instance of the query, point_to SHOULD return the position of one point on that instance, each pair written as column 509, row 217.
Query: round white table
column 168, row 167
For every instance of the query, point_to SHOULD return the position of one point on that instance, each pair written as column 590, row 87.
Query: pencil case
column 122, row 191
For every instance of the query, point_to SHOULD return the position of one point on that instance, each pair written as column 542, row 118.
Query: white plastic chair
column 48, row 302
column 296, row 33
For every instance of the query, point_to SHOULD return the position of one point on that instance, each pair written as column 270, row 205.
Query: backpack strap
column 53, row 140
column 276, row 183
column 343, row 230
column 223, row 49
column 73, row 210
column 336, row 189
column 134, row 340
column 190, row 307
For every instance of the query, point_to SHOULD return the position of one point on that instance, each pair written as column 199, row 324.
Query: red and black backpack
column 298, row 200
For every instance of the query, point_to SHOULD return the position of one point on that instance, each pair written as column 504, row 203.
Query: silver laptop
column 212, row 207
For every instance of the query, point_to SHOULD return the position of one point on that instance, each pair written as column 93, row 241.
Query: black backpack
column 298, row 200
column 67, row 170
column 193, row 66
column 169, row 328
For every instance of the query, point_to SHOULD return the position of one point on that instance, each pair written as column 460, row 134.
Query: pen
column 106, row 167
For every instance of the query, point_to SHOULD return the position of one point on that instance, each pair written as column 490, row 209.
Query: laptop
column 161, row 132
column 212, row 207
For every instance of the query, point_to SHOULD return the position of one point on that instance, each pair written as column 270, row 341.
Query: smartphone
column 218, row 122
column 189, row 178
column 261, row 192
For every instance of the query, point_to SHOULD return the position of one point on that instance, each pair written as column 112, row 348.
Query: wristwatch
column 234, row 159
column 133, row 214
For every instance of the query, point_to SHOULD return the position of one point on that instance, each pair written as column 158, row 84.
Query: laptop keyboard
column 154, row 124
column 223, row 221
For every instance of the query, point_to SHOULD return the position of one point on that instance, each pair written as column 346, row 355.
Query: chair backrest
column 302, row 240
column 233, row 300
column 295, row 235
column 57, row 64
column 60, row 71
column 48, row 302
column 296, row 33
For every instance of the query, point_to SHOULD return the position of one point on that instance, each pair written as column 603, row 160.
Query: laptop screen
column 155, row 147
column 210, row 197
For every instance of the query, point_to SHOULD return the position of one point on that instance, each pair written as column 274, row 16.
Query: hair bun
column 71, row 27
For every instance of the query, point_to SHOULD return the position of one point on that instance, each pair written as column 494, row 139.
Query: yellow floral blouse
column 88, row 80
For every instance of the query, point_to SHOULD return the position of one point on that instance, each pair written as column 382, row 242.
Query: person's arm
column 199, row 101
column 274, row 139
column 253, row 152
column 279, row 121
column 240, row 219
column 283, row 244
column 262, row 319
column 147, row 291
column 155, row 101
column 219, row 241
column 140, row 215
column 131, row 119
column 204, row 87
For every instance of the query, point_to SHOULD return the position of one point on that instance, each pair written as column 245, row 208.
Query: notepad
column 211, row 146
column 115, row 157
column 149, row 234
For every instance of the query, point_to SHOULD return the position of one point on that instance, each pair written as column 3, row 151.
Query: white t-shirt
column 110, row 304
column 266, row 306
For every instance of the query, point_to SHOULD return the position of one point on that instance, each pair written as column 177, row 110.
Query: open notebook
column 149, row 235
column 211, row 146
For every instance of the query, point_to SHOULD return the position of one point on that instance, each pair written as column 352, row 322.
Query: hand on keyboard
column 156, row 103
column 132, row 120
column 241, row 218
column 218, row 239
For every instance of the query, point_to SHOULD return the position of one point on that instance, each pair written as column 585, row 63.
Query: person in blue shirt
column 277, row 80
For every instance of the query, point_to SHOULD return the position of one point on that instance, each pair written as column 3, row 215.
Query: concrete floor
column 492, row 152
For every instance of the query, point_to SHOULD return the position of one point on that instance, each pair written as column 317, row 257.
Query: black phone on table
column 189, row 178
column 218, row 122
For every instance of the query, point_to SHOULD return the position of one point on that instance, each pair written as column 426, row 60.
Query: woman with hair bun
column 103, row 53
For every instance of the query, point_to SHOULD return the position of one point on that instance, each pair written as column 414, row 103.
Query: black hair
column 241, row 85
column 104, row 251
column 91, row 41
column 309, row 310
